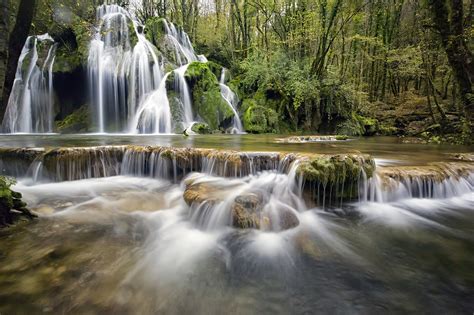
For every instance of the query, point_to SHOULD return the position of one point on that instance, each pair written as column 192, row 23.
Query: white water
column 182, row 87
column 154, row 114
column 120, row 76
column 184, row 50
column 30, row 106
column 231, row 100
column 127, row 84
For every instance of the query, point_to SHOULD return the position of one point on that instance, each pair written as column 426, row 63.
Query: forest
column 236, row 157
column 358, row 68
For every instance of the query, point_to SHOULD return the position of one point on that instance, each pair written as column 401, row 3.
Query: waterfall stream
column 171, row 229
column 30, row 106
column 231, row 100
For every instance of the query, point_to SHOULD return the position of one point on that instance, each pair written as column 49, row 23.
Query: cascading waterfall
column 231, row 99
column 120, row 77
column 154, row 114
column 182, row 44
column 30, row 106
column 185, row 97
column 128, row 88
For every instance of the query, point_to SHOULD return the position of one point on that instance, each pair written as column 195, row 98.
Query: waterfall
column 439, row 181
column 127, row 84
column 119, row 76
column 181, row 86
column 231, row 100
column 30, row 106
column 182, row 44
column 154, row 114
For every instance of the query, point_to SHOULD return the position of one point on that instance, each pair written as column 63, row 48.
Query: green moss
column 358, row 125
column 258, row 119
column 154, row 30
column 215, row 68
column 201, row 128
column 206, row 95
column 78, row 121
column 341, row 137
column 10, row 200
column 341, row 172
column 370, row 125
column 387, row 130
column 73, row 46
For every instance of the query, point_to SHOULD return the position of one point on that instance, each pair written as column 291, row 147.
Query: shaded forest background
column 391, row 67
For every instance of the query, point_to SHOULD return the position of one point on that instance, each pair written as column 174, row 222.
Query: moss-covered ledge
column 12, row 208
column 333, row 178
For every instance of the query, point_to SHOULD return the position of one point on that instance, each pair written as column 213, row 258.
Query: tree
column 4, row 31
column 21, row 30
column 448, row 16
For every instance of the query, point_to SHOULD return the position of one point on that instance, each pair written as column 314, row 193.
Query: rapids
column 182, row 229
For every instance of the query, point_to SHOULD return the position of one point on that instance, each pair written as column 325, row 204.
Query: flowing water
column 30, row 106
column 126, row 80
column 232, row 101
column 133, row 229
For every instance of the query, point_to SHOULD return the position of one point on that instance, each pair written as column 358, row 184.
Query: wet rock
column 463, row 156
column 305, row 139
column 288, row 219
column 199, row 193
column 434, row 172
column 247, row 211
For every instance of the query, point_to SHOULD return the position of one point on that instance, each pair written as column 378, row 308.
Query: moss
column 11, row 200
column 73, row 46
column 201, row 128
column 215, row 68
column 358, row 125
column 341, row 137
column 206, row 96
column 370, row 125
column 387, row 130
column 258, row 119
column 339, row 172
column 78, row 121
column 132, row 34
column 154, row 30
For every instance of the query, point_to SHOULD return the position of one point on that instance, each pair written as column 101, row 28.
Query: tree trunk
column 451, row 29
column 26, row 11
column 4, row 31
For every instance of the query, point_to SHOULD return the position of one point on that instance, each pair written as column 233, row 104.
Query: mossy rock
column 340, row 172
column 11, row 205
column 259, row 119
column 358, row 126
column 201, row 128
column 370, row 125
column 78, row 121
column 216, row 69
column 154, row 30
column 73, row 46
column 206, row 96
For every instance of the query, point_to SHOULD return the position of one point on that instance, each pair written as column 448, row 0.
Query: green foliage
column 259, row 119
column 78, row 121
column 154, row 30
column 206, row 95
column 201, row 128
